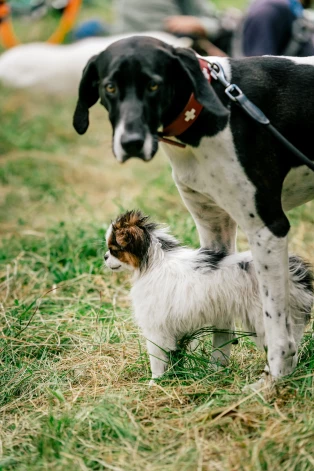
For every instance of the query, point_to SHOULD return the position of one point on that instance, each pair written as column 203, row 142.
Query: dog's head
column 128, row 240
column 137, row 80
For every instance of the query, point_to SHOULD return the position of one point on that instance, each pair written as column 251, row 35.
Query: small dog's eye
column 110, row 88
column 153, row 86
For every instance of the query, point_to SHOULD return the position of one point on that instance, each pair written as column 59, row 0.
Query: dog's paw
column 257, row 386
column 152, row 383
column 266, row 385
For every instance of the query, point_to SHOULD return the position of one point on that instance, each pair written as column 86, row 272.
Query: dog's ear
column 88, row 96
column 127, row 235
column 203, row 92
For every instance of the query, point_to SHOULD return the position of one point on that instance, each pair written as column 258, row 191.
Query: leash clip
column 235, row 94
column 231, row 89
column 217, row 73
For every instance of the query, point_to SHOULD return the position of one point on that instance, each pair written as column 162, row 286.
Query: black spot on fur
column 209, row 259
column 244, row 265
column 168, row 244
column 267, row 314
column 252, row 215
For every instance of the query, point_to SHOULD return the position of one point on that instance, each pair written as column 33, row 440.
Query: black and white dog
column 231, row 171
column 177, row 290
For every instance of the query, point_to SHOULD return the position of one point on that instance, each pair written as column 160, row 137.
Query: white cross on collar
column 190, row 114
column 205, row 72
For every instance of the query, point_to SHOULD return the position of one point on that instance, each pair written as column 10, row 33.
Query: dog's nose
column 106, row 257
column 132, row 144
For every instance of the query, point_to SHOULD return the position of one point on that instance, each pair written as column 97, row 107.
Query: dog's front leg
column 158, row 349
column 216, row 229
column 271, row 261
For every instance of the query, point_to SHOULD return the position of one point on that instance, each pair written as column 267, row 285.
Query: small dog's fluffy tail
column 301, row 273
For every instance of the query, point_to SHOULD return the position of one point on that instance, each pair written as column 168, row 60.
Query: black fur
column 168, row 244
column 209, row 259
column 244, row 265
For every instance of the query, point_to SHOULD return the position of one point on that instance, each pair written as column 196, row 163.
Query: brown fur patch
column 129, row 258
column 128, row 228
column 129, row 234
column 129, row 219
column 129, row 239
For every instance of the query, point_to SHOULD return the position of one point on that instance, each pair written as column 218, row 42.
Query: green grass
column 74, row 368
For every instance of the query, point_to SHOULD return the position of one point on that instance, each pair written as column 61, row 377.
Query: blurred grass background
column 74, row 369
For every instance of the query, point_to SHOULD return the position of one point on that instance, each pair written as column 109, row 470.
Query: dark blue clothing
column 267, row 29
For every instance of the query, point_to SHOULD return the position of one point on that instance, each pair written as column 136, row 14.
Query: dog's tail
column 302, row 276
column 302, row 272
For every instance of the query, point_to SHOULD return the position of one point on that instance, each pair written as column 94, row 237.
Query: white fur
column 179, row 293
column 115, row 264
column 148, row 146
column 118, row 150
column 58, row 68
column 117, row 147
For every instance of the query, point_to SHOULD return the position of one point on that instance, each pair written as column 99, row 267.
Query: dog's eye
column 153, row 86
column 110, row 88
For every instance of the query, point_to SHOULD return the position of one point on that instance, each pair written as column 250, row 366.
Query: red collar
column 187, row 116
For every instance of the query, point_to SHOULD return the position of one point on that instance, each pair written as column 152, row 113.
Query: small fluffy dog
column 177, row 290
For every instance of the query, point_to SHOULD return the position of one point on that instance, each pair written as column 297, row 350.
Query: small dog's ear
column 127, row 235
column 88, row 96
column 203, row 92
column 123, row 237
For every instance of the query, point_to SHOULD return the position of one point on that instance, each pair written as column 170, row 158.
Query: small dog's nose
column 132, row 144
column 106, row 256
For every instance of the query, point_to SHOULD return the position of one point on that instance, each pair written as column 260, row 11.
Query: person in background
column 197, row 19
column 277, row 27
column 180, row 17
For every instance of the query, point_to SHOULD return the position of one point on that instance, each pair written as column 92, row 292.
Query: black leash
column 235, row 94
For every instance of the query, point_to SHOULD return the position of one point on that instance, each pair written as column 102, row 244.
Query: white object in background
column 58, row 68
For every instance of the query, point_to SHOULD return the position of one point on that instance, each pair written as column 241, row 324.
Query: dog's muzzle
column 134, row 144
